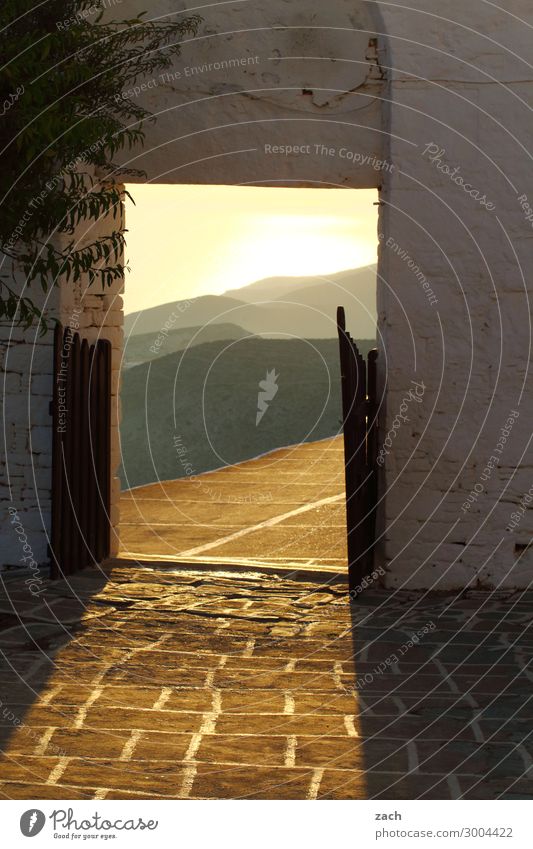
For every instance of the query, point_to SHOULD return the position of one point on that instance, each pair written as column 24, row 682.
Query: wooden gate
column 81, row 411
column 359, row 414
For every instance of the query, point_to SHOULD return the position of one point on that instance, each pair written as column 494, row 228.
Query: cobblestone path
column 184, row 684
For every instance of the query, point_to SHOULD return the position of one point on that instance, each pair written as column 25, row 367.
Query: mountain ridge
column 305, row 309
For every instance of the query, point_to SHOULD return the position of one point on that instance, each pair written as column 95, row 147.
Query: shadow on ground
column 444, row 694
column 34, row 629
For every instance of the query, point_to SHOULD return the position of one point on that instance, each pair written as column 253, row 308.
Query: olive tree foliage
column 63, row 118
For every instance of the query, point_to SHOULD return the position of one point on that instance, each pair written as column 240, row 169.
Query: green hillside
column 142, row 347
column 207, row 398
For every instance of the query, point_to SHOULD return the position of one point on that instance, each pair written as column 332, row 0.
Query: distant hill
column 268, row 288
column 180, row 314
column 208, row 396
column 357, row 281
column 354, row 290
column 142, row 347
column 303, row 307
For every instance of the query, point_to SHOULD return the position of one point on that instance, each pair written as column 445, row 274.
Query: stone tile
column 500, row 730
column 221, row 748
column 310, row 725
column 352, row 754
column 77, row 673
column 141, row 673
column 13, row 790
column 408, row 728
column 337, row 784
column 312, row 649
column 274, row 680
column 326, row 703
column 475, row 758
column 76, row 653
column 222, row 782
column 312, row 664
column 156, row 778
column 148, row 720
column 253, row 701
column 180, row 659
column 502, row 788
column 256, row 662
column 81, row 743
column 124, row 794
column 42, row 716
column 161, row 746
column 197, row 701
column 77, row 695
column 27, row 769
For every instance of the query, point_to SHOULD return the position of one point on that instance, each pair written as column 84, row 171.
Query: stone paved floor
column 209, row 685
column 285, row 508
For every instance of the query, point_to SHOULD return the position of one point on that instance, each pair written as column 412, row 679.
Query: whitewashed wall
column 454, row 268
column 259, row 75
column 26, row 362
column 27, row 383
column 459, row 80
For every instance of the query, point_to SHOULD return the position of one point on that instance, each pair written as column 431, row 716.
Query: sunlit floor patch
column 283, row 509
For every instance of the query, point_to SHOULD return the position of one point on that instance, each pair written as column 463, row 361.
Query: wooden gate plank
column 57, row 456
column 84, row 469
column 81, row 484
column 102, row 443
column 92, row 483
column 359, row 438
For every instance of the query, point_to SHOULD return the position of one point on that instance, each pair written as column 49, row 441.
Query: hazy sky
column 185, row 241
